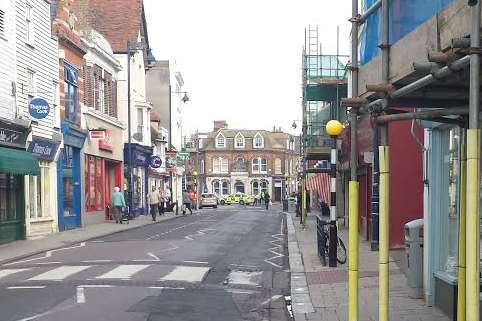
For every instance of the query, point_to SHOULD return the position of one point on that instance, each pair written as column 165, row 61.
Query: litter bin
column 414, row 257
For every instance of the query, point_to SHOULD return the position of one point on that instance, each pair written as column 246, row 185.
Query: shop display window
column 95, row 183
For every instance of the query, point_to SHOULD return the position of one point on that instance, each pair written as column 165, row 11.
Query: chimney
column 220, row 124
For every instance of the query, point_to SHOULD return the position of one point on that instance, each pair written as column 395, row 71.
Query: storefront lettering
column 43, row 149
column 107, row 143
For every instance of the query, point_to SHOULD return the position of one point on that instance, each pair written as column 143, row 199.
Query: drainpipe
column 375, row 189
column 384, row 219
column 353, row 306
column 473, row 174
column 461, row 287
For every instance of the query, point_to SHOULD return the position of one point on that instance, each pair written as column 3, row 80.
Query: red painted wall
column 406, row 179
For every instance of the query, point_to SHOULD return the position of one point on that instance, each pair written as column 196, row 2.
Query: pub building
column 15, row 164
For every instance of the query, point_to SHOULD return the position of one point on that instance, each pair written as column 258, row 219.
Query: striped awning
column 320, row 185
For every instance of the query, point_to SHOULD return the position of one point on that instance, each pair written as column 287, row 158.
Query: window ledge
column 41, row 220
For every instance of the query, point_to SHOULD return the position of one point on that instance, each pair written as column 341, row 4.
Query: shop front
column 103, row 170
column 69, row 191
column 136, row 177
column 15, row 165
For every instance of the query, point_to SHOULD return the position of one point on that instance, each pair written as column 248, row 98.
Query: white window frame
column 278, row 166
column 256, row 162
column 263, row 162
column 102, row 105
column 29, row 24
column 218, row 188
column 31, row 83
column 45, row 194
column 242, row 141
column 140, row 122
column 218, row 145
column 258, row 136
column 220, row 165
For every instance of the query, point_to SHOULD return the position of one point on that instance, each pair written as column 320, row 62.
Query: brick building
column 249, row 161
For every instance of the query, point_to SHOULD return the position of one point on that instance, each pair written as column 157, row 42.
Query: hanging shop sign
column 43, row 149
column 97, row 134
column 155, row 162
column 107, row 143
column 38, row 108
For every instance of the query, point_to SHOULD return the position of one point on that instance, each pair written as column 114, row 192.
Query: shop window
column 9, row 186
column 216, row 187
column 39, row 190
column 255, row 187
column 68, row 180
column 139, row 192
column 225, row 188
column 263, row 186
column 95, row 183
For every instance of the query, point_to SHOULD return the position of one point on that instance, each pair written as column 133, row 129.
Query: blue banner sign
column 155, row 162
column 38, row 108
column 43, row 149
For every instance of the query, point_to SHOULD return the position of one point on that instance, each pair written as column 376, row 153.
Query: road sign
column 183, row 154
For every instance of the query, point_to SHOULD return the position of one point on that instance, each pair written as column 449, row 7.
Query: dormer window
column 258, row 141
column 220, row 141
column 239, row 141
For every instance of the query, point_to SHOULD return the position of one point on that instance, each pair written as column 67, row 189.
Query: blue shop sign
column 155, row 162
column 140, row 159
column 43, row 149
column 38, row 108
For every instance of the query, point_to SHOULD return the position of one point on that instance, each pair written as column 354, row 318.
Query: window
column 216, row 187
column 239, row 141
column 101, row 98
column 255, row 187
column 225, row 188
column 2, row 22
column 39, row 192
column 29, row 28
column 220, row 141
column 95, row 183
column 10, row 186
column 71, row 93
column 239, row 165
column 220, row 165
column 277, row 166
column 258, row 141
column 31, row 83
column 140, row 120
column 260, row 165
column 263, row 186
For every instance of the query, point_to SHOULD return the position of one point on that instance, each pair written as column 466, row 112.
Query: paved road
column 223, row 264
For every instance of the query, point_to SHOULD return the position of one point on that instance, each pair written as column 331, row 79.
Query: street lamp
column 195, row 174
column 333, row 128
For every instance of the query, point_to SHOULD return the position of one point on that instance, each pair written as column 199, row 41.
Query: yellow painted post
column 353, row 252
column 383, row 261
column 303, row 202
column 462, row 227
column 473, row 225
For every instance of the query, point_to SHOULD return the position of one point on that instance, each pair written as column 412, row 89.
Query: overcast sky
column 241, row 60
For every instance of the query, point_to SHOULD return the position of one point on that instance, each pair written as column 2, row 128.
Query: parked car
column 221, row 199
column 208, row 200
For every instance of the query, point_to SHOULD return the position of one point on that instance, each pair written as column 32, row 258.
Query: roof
column 118, row 20
column 274, row 140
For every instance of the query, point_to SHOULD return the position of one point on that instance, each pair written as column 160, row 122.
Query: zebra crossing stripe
column 59, row 273
column 7, row 272
column 123, row 272
column 187, row 274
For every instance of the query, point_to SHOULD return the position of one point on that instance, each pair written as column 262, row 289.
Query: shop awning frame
column 18, row 162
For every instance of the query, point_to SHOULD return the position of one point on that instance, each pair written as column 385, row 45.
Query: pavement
column 320, row 293
column 23, row 248
column 225, row 264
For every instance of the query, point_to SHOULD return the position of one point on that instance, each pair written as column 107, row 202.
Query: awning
column 18, row 162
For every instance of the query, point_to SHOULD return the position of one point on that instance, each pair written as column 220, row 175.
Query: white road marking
column 273, row 298
column 7, row 272
column 196, row 262
column 48, row 254
column 153, row 256
column 245, row 266
column 97, row 241
column 187, row 274
column 96, row 261
column 96, row 286
column 165, row 288
column 277, row 238
column 26, row 287
column 80, row 295
column 123, row 272
column 46, row 263
column 244, row 277
column 59, row 273
column 189, row 238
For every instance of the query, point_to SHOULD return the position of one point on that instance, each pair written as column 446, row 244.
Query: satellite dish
column 137, row 136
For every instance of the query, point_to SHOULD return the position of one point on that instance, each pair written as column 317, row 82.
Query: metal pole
column 473, row 175
column 375, row 189
column 333, row 230
column 369, row 11
column 353, row 310
column 461, row 285
column 129, row 130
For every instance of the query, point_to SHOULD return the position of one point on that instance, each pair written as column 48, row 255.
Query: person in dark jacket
column 266, row 200
column 325, row 210
column 186, row 200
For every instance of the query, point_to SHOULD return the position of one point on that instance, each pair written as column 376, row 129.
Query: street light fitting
column 185, row 98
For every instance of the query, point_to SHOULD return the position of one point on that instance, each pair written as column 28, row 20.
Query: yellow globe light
column 334, row 128
column 194, row 174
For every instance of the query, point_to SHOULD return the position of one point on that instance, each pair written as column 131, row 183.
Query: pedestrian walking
column 186, row 202
column 256, row 198
column 118, row 203
column 153, row 201
column 162, row 200
column 266, row 200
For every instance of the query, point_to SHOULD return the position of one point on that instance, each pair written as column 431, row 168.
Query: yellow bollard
column 384, row 241
column 473, row 225
column 353, row 252
column 303, row 203
column 462, row 227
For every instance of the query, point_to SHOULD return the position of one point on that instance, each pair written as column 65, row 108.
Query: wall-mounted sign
column 38, row 108
column 140, row 159
column 107, row 143
column 42, row 149
column 155, row 161
column 10, row 136
column 97, row 134
column 171, row 159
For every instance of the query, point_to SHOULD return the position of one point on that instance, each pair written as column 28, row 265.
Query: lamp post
column 333, row 128
column 195, row 175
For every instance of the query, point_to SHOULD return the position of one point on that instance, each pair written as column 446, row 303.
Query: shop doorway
column 12, row 215
column 112, row 179
column 69, row 192
column 239, row 187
